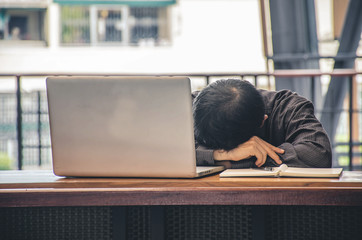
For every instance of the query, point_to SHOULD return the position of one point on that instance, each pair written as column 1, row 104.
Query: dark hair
column 227, row 113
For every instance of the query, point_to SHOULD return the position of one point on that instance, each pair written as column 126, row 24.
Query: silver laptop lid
column 121, row 126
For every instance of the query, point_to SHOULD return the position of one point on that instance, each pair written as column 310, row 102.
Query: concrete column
column 53, row 25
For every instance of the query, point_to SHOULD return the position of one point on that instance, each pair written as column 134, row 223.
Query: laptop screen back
column 121, row 126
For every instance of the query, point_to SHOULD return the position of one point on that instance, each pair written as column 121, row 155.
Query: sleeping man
column 239, row 126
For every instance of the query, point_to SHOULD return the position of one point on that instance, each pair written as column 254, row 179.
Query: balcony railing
column 39, row 127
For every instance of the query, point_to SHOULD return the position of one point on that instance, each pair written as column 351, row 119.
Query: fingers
column 266, row 149
column 271, row 150
column 275, row 149
column 260, row 155
column 253, row 147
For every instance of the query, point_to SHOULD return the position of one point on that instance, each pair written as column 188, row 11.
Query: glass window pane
column 20, row 25
column 110, row 25
column 75, row 25
column 144, row 30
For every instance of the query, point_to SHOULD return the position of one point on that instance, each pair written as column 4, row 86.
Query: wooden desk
column 43, row 188
column 267, row 208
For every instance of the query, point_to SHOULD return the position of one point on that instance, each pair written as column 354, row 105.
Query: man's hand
column 255, row 146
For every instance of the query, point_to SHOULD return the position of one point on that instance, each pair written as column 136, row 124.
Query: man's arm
column 294, row 128
column 253, row 152
column 205, row 157
column 254, row 147
column 306, row 142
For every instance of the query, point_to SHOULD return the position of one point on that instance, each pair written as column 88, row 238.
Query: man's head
column 227, row 113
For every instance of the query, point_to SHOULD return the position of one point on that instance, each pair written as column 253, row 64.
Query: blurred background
column 312, row 47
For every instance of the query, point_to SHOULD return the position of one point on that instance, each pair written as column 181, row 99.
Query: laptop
column 122, row 127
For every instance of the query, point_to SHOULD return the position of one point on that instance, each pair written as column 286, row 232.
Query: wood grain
column 180, row 196
column 42, row 188
column 46, row 179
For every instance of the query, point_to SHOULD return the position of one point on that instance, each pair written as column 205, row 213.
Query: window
column 111, row 25
column 144, row 28
column 75, row 25
column 117, row 25
column 18, row 25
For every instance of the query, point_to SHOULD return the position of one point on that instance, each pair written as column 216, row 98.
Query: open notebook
column 283, row 171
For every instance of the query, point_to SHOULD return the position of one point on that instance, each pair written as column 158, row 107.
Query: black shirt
column 292, row 126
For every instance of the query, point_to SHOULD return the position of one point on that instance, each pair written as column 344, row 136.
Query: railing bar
column 347, row 154
column 338, row 110
column 19, row 123
column 295, row 57
column 36, row 146
column 278, row 73
column 312, row 89
column 207, row 80
column 350, row 150
column 316, row 110
column 32, row 112
column 347, row 143
column 39, row 129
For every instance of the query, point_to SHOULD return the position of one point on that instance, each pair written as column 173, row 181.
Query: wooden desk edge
column 181, row 196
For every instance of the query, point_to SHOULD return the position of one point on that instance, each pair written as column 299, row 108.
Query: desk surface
column 43, row 188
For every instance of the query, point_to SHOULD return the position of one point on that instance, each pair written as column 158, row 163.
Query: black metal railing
column 207, row 78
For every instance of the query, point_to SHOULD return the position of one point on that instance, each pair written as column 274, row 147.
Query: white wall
column 209, row 36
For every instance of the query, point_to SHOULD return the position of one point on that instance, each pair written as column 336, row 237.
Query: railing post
column 207, row 80
column 39, row 127
column 350, row 113
column 19, row 121
column 312, row 89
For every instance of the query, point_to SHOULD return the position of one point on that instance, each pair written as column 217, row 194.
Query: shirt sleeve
column 204, row 156
column 306, row 142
